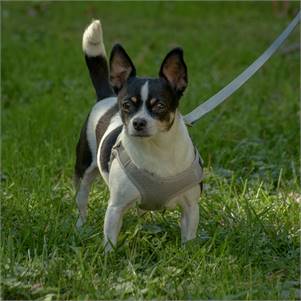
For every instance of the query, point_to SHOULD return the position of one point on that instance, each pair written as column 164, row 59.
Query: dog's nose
column 139, row 124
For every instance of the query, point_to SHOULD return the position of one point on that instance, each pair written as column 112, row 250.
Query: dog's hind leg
column 83, row 191
column 85, row 172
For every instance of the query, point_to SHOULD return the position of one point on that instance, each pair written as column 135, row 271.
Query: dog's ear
column 121, row 67
column 174, row 70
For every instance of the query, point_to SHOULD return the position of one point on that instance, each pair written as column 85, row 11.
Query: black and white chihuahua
column 142, row 114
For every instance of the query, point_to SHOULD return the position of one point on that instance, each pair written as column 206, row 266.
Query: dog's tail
column 95, row 55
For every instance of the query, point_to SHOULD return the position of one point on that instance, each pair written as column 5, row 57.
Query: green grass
column 248, row 238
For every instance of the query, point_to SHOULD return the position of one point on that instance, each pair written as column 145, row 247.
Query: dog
column 136, row 138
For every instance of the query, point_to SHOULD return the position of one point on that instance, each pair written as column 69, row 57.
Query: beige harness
column 156, row 191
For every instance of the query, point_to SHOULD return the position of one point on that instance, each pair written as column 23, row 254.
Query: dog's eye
column 160, row 106
column 125, row 106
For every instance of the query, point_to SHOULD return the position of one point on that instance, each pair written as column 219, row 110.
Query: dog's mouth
column 141, row 135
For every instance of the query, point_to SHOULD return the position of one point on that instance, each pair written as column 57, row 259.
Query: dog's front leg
column 190, row 215
column 189, row 221
column 112, row 225
column 122, row 196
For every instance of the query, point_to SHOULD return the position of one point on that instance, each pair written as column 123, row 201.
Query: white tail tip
column 93, row 40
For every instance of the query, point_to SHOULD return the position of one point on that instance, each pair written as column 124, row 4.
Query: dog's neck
column 165, row 154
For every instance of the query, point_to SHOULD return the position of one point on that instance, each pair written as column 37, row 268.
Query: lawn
column 248, row 238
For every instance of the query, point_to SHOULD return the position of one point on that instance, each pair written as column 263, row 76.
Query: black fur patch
column 99, row 73
column 162, row 93
column 83, row 152
column 201, row 184
column 104, row 122
column 106, row 148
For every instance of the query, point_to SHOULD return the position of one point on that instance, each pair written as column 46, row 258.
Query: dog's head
column 148, row 105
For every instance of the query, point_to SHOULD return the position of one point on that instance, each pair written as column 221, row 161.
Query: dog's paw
column 80, row 222
column 93, row 40
column 108, row 248
column 141, row 212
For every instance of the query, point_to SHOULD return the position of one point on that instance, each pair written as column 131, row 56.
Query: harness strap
column 156, row 191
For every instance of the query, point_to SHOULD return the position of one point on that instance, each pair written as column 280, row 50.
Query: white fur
column 123, row 195
column 166, row 153
column 144, row 91
column 93, row 40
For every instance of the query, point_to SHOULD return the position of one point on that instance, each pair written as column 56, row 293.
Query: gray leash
column 223, row 94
